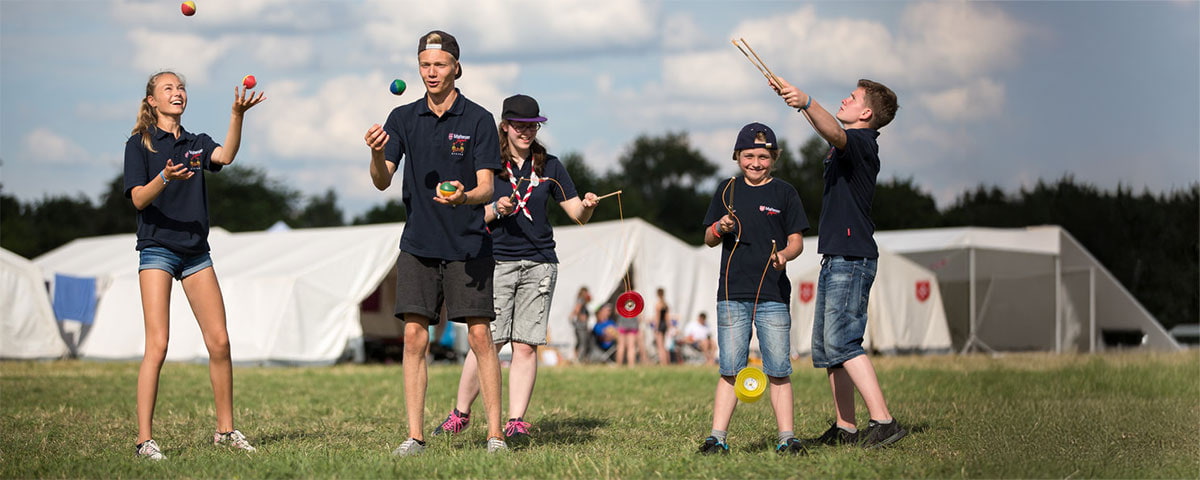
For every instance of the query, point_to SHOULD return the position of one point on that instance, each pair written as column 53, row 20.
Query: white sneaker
column 496, row 445
column 411, row 446
column 148, row 449
column 234, row 440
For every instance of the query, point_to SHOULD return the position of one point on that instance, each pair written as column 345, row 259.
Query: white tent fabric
column 905, row 313
column 29, row 330
column 1032, row 288
column 290, row 297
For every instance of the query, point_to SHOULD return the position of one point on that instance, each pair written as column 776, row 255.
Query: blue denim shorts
column 179, row 266
column 773, row 325
column 840, row 319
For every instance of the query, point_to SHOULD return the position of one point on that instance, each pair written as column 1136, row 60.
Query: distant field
column 1019, row 415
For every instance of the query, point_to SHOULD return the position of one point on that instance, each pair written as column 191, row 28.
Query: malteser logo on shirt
column 458, row 144
column 769, row 211
column 193, row 158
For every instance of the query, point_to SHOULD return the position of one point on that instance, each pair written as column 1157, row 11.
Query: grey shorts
column 424, row 284
column 523, row 290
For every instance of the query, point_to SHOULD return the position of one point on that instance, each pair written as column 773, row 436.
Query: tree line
column 1150, row 243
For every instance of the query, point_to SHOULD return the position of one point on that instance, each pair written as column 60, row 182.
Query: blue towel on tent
column 75, row 298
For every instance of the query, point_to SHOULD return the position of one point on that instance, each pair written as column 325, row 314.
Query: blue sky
column 1000, row 93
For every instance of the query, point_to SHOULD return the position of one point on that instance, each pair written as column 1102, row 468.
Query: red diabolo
column 630, row 304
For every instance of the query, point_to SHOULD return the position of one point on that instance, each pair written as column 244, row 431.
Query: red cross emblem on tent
column 922, row 290
column 806, row 291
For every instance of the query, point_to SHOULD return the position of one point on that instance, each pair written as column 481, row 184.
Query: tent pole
column 1092, row 309
column 967, row 347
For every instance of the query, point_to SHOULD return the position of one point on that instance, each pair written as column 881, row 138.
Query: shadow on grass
column 570, row 431
column 294, row 436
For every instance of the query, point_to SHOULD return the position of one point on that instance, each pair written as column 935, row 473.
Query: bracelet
column 806, row 105
column 163, row 176
column 496, row 209
column 715, row 231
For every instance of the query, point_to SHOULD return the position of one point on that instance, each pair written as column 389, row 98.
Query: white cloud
column 505, row 27
column 681, row 33
column 282, row 52
column 190, row 55
column 46, row 146
column 978, row 100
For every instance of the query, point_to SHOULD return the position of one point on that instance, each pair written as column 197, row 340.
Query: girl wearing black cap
column 526, row 264
column 164, row 177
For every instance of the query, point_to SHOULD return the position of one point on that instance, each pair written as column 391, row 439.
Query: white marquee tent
column 1032, row 288
column 291, row 297
column 29, row 330
column 905, row 313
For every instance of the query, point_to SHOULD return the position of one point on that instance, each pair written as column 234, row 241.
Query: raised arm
column 580, row 210
column 225, row 154
column 826, row 125
column 382, row 170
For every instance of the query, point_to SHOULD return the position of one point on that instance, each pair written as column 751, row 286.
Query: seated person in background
column 698, row 335
column 605, row 330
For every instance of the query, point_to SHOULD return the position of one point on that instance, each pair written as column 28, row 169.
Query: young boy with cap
column 445, row 252
column 849, row 257
column 759, row 222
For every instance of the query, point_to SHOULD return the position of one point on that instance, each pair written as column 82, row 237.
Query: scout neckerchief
column 534, row 181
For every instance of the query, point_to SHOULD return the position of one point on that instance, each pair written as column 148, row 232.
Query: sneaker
column 234, row 440
column 832, row 437
column 517, row 429
column 149, row 450
column 882, row 434
column 793, row 446
column 496, row 445
column 411, row 446
column 455, row 422
column 713, row 446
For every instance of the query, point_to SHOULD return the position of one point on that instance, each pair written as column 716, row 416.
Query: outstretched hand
column 376, row 138
column 243, row 102
column 791, row 95
column 590, row 201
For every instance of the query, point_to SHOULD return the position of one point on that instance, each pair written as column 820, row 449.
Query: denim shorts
column 773, row 326
column 840, row 317
column 522, row 290
column 179, row 266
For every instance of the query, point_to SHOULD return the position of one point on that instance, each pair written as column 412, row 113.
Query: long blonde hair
column 147, row 117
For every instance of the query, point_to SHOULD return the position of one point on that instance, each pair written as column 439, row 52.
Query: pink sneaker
column 455, row 423
column 516, row 429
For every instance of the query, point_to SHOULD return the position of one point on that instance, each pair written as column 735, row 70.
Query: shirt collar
column 457, row 108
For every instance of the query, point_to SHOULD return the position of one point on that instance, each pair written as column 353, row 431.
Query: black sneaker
column 712, row 446
column 882, row 434
column 793, row 446
column 833, row 437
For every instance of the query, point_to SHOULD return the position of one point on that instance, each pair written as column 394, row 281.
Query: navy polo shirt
column 515, row 237
column 846, row 228
column 178, row 218
column 451, row 147
column 767, row 212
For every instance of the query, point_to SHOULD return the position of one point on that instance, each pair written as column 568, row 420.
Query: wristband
column 715, row 231
column 496, row 209
column 163, row 176
column 806, row 105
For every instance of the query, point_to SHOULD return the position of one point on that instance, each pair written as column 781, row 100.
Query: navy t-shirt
column 767, row 212
column 178, row 218
column 451, row 147
column 515, row 237
column 846, row 228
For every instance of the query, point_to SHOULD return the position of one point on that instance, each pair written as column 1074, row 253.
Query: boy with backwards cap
column 445, row 253
column 759, row 222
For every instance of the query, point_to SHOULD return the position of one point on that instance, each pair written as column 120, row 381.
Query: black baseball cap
column 745, row 138
column 446, row 43
column 521, row 108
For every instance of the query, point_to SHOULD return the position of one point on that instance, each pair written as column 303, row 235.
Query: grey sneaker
column 411, row 446
column 149, row 450
column 496, row 445
column 234, row 440
column 882, row 434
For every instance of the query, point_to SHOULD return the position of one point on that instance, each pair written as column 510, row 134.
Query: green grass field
column 1018, row 415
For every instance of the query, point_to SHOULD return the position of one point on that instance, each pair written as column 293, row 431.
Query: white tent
column 29, row 330
column 1030, row 288
column 905, row 313
column 290, row 297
